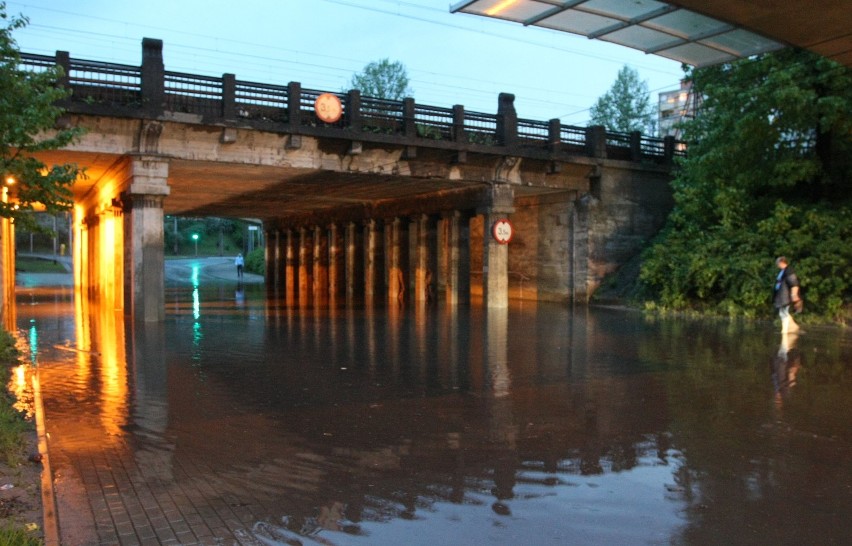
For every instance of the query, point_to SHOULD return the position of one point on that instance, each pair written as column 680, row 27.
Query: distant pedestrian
column 239, row 262
column 786, row 295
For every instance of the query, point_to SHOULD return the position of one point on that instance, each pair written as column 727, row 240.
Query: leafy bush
column 11, row 536
column 770, row 156
column 12, row 422
column 256, row 261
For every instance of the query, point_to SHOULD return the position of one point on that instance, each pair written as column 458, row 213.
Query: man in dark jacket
column 786, row 294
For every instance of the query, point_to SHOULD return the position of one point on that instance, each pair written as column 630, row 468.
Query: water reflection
column 271, row 424
column 785, row 366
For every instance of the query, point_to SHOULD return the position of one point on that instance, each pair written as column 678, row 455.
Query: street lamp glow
column 195, row 238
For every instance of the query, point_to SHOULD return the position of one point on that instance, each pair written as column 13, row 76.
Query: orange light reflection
column 501, row 6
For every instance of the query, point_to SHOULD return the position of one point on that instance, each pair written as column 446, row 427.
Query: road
column 177, row 270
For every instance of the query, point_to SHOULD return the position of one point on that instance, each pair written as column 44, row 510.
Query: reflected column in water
column 100, row 340
column 503, row 432
column 785, row 366
column 151, row 409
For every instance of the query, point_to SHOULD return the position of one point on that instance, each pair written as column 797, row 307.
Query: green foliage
column 38, row 265
column 12, row 422
column 256, row 261
column 383, row 80
column 8, row 350
column 626, row 106
column 767, row 173
column 429, row 131
column 216, row 236
column 12, row 536
column 28, row 113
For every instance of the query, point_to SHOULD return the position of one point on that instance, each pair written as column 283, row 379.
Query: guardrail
column 151, row 91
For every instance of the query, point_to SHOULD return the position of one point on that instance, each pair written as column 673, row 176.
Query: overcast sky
column 450, row 58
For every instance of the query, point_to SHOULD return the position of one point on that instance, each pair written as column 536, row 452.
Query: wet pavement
column 241, row 420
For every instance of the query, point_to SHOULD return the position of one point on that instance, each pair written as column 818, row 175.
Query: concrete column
column 320, row 274
column 144, row 272
column 306, row 261
column 291, row 271
column 7, row 269
column 270, row 254
column 353, row 264
column 443, row 258
column 336, row 269
column 454, row 255
column 411, row 241
column 393, row 261
column 372, row 261
column 495, row 263
column 424, row 258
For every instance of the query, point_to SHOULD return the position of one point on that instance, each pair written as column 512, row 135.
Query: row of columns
column 417, row 259
column 119, row 250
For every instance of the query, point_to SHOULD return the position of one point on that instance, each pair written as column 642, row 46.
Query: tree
column 384, row 80
column 28, row 113
column 626, row 106
column 767, row 173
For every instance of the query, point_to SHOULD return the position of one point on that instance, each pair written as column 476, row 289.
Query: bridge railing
column 260, row 102
column 193, row 94
column 436, row 123
column 150, row 90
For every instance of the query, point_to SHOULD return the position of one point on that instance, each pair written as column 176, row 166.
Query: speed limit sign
column 502, row 231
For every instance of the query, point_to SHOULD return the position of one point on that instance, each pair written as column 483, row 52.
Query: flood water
column 249, row 422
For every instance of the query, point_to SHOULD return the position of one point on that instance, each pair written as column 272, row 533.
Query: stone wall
column 541, row 252
column 565, row 243
column 624, row 210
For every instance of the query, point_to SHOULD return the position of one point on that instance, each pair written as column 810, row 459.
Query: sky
column 450, row 58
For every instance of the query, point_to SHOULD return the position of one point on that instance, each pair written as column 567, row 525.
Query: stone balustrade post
column 635, row 146
column 294, row 104
column 353, row 118
column 459, row 134
column 596, row 141
column 409, row 127
column 507, row 120
column 229, row 97
column 153, row 74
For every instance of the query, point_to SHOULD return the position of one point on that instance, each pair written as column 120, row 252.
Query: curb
column 48, row 499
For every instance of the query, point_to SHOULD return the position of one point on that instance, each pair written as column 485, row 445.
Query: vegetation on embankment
column 20, row 509
column 38, row 265
column 767, row 173
column 13, row 425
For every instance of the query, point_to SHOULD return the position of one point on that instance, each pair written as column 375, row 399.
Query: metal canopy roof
column 648, row 25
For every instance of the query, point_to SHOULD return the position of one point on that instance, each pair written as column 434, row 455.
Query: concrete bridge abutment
column 119, row 243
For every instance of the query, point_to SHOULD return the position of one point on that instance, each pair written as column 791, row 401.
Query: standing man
column 786, row 294
column 239, row 262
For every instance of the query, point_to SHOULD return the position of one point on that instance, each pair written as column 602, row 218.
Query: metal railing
column 148, row 90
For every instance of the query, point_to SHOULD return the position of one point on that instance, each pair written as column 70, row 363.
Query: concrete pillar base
column 495, row 263
column 144, row 271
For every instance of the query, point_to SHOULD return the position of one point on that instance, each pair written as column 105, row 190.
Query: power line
column 487, row 33
column 339, row 67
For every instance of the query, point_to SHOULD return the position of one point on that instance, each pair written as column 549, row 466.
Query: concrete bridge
column 361, row 199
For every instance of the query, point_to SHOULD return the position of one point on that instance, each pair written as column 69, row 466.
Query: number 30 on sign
column 502, row 231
